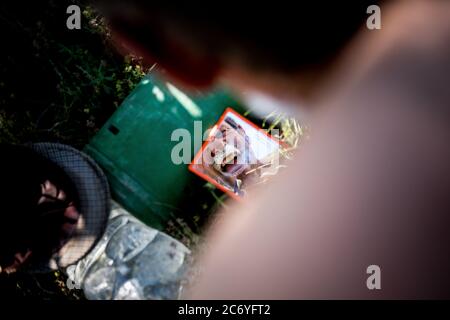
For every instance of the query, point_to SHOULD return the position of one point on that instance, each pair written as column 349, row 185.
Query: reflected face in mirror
column 230, row 150
column 237, row 155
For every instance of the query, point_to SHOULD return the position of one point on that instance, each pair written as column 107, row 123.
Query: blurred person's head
column 393, row 210
column 265, row 45
column 38, row 207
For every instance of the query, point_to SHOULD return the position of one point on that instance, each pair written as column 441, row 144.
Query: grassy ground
column 58, row 84
column 62, row 85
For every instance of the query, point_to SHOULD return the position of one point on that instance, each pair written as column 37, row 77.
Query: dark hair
column 24, row 225
column 280, row 36
column 232, row 123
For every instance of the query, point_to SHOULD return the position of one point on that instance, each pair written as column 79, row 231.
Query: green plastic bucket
column 134, row 147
